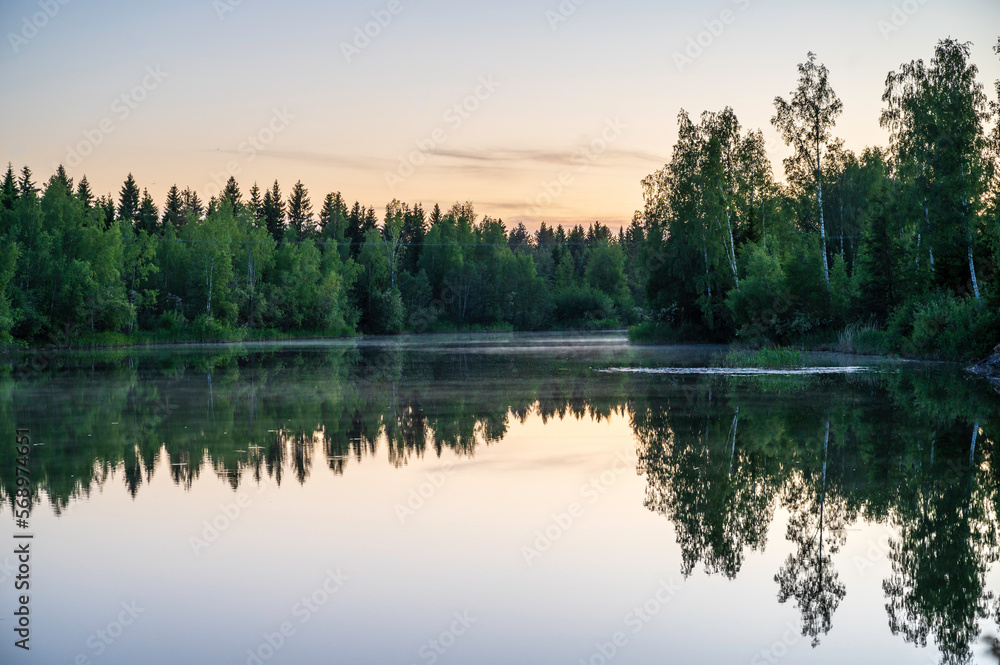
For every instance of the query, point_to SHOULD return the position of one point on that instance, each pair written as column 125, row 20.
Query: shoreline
column 12, row 349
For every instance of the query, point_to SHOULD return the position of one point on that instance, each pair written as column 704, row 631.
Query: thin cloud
column 507, row 158
column 364, row 163
column 484, row 161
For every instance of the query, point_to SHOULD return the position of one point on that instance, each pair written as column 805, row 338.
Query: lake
column 498, row 499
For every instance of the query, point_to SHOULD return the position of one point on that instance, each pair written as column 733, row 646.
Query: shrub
column 172, row 322
column 386, row 312
column 945, row 327
column 576, row 305
column 953, row 329
column 204, row 328
column 760, row 307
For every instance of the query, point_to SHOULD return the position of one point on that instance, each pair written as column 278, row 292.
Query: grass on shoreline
column 779, row 358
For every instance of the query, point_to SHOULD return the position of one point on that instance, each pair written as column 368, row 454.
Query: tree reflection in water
column 912, row 449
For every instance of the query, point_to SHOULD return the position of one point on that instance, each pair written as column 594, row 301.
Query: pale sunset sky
column 562, row 107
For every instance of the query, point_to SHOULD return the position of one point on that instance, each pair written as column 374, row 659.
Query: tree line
column 892, row 250
column 261, row 264
column 895, row 249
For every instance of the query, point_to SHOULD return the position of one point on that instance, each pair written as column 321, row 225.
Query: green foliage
column 606, row 272
column 893, row 250
column 878, row 283
column 204, row 328
column 840, row 291
column 386, row 312
column 946, row 328
column 851, row 239
column 8, row 262
column 865, row 338
column 700, row 209
column 172, row 323
column 128, row 200
column 777, row 358
column 582, row 307
column 265, row 268
column 649, row 332
column 761, row 306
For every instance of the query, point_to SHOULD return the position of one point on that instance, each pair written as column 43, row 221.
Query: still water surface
column 500, row 499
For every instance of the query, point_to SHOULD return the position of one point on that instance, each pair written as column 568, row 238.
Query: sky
column 534, row 110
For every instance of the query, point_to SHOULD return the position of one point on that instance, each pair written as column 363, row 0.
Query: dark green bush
column 577, row 305
column 945, row 327
column 172, row 322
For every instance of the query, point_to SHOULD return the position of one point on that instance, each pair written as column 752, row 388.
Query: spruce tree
column 173, row 209
column 148, row 217
column 128, row 200
column 8, row 190
column 300, row 211
column 84, row 193
column 414, row 231
column 26, row 188
column 354, row 231
column 274, row 212
column 370, row 221
column 63, row 179
column 255, row 203
column 328, row 213
column 333, row 223
column 519, row 237
column 107, row 205
column 232, row 192
column 194, row 210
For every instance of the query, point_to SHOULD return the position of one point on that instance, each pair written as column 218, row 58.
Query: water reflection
column 909, row 447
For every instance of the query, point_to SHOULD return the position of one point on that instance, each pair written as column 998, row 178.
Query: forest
column 891, row 251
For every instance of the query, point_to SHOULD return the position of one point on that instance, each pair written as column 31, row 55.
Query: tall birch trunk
column 822, row 221
column 968, row 226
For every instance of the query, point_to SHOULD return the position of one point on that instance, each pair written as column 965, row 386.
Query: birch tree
column 392, row 236
column 936, row 114
column 805, row 122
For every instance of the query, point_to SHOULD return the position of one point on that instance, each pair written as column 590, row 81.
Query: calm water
column 501, row 499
